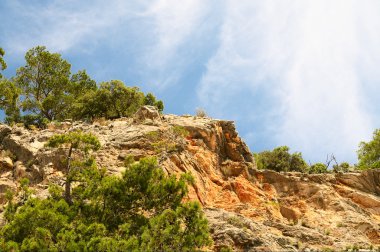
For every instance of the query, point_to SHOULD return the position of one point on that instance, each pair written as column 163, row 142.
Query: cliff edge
column 247, row 209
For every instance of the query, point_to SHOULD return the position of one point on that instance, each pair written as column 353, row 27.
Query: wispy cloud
column 62, row 26
column 302, row 73
column 309, row 57
column 175, row 23
column 160, row 30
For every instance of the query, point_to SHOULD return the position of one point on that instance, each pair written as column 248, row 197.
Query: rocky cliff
column 247, row 209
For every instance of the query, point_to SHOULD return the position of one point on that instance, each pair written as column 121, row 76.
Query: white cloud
column 159, row 28
column 174, row 23
column 312, row 58
column 63, row 26
column 305, row 71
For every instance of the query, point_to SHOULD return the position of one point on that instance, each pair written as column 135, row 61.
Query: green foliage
column 3, row 65
column 164, row 142
column 9, row 100
column 80, row 83
column 180, row 131
column 369, row 153
column 34, row 120
column 150, row 99
column 142, row 210
column 280, row 160
column 120, row 100
column 236, row 221
column 342, row 167
column 75, row 140
column 44, row 90
column 176, row 230
column 318, row 168
column 112, row 100
column 44, row 81
column 80, row 142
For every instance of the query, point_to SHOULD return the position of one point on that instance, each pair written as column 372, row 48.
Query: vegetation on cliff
column 369, row 153
column 45, row 89
column 3, row 65
column 142, row 210
column 279, row 159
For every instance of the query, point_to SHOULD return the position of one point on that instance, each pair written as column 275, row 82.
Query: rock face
column 247, row 209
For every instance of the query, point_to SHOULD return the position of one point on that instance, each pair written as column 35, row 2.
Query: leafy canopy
column 318, row 168
column 369, row 152
column 43, row 81
column 142, row 210
column 45, row 89
column 3, row 65
column 9, row 100
column 75, row 141
column 281, row 160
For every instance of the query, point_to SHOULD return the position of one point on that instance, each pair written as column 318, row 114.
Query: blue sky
column 301, row 73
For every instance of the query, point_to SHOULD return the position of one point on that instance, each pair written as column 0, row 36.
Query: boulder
column 31, row 172
column 6, row 185
column 20, row 170
column 4, row 131
column 290, row 213
column 6, row 164
column 231, row 230
column 147, row 112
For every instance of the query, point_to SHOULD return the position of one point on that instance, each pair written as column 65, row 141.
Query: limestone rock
column 248, row 209
column 146, row 112
column 6, row 185
column 366, row 181
column 4, row 131
column 290, row 213
column 6, row 164
column 231, row 230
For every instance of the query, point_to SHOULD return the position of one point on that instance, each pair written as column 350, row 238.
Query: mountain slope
column 248, row 209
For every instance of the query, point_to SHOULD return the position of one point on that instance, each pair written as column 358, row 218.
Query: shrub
column 318, row 168
column 45, row 90
column 200, row 112
column 342, row 167
column 143, row 210
column 280, row 160
column 369, row 153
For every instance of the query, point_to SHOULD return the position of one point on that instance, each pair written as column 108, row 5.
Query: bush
column 200, row 112
column 281, row 160
column 318, row 168
column 369, row 153
column 343, row 167
column 45, row 90
column 143, row 210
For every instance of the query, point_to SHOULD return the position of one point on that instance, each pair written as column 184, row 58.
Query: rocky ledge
column 247, row 209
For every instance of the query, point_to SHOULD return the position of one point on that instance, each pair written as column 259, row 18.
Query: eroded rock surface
column 248, row 209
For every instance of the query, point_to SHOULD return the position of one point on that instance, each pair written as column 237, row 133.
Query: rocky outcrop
column 367, row 181
column 248, row 209
column 146, row 113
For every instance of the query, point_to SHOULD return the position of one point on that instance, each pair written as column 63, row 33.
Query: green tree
column 89, row 106
column 142, row 210
column 342, row 167
column 9, row 100
column 80, row 83
column 281, row 160
column 369, row 152
column 3, row 65
column 121, row 100
column 74, row 141
column 43, row 81
column 318, row 168
column 151, row 100
column 44, row 90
